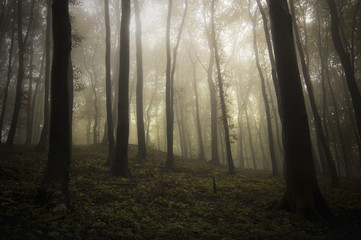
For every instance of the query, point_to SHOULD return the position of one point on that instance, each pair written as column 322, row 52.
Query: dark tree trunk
column 19, row 84
column 221, row 95
column 171, row 65
column 8, row 78
column 119, row 165
column 29, row 116
column 108, row 85
column 44, row 137
column 346, row 63
column 265, row 100
column 169, row 95
column 318, row 123
column 250, row 140
column 198, row 120
column 142, row 151
column 302, row 192
column 54, row 190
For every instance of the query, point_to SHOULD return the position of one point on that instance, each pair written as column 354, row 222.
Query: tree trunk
column 8, row 78
column 198, row 120
column 346, row 63
column 250, row 140
column 19, row 84
column 170, row 83
column 43, row 141
column 29, row 116
column 139, row 55
column 169, row 96
column 318, row 124
column 265, row 100
column 221, row 95
column 302, row 192
column 119, row 165
column 54, row 190
column 108, row 86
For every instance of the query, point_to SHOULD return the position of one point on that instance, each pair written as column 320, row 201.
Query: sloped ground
column 157, row 204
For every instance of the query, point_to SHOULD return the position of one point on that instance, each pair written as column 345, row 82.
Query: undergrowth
column 159, row 204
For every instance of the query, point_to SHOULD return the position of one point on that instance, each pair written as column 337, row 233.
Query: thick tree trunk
column 221, row 95
column 318, row 124
column 302, row 192
column 119, row 165
column 139, row 55
column 54, row 190
column 346, row 63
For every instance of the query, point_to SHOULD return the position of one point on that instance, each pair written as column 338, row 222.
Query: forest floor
column 158, row 204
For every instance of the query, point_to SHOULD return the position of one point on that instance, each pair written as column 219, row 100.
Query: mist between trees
column 202, row 80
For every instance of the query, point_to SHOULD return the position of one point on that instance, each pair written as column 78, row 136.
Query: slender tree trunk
column 8, row 78
column 250, row 140
column 221, row 95
column 265, row 100
column 29, row 116
column 198, row 120
column 54, row 190
column 43, row 141
column 169, row 95
column 346, row 63
column 170, row 71
column 318, row 123
column 139, row 55
column 108, row 86
column 19, row 84
column 119, row 165
column 302, row 192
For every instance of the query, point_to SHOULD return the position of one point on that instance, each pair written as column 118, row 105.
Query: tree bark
column 302, row 193
column 119, row 165
column 54, row 190
column 142, row 151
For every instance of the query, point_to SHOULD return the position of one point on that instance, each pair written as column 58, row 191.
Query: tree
column 346, row 63
column 108, row 84
column 119, row 165
column 302, row 193
column 212, row 92
column 139, row 55
column 8, row 76
column 170, row 71
column 264, row 95
column 19, row 85
column 54, row 189
column 221, row 94
column 318, row 124
column 43, row 141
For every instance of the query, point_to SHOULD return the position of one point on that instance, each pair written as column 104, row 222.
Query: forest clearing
column 161, row 204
